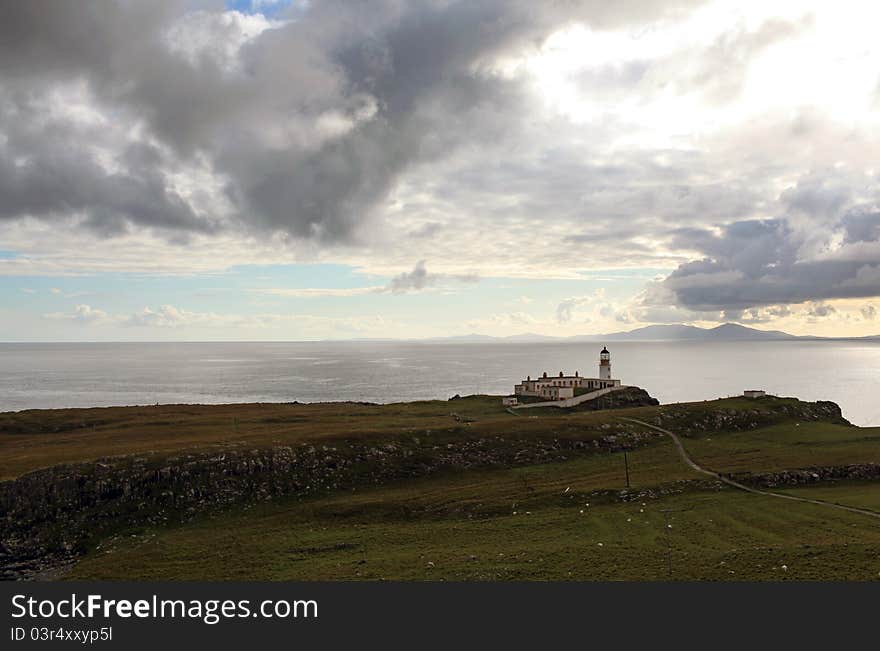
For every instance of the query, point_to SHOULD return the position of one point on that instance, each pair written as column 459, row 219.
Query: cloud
column 869, row 312
column 599, row 309
column 301, row 123
column 419, row 278
column 821, row 310
column 414, row 280
column 824, row 246
column 565, row 308
column 408, row 281
column 167, row 316
column 85, row 314
column 170, row 317
column 731, row 148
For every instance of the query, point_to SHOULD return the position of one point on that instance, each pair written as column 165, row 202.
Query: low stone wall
column 814, row 475
column 49, row 517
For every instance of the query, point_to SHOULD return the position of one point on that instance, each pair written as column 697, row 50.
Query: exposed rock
column 767, row 411
column 49, row 517
column 622, row 399
column 796, row 477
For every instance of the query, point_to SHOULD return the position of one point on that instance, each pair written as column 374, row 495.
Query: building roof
column 549, row 378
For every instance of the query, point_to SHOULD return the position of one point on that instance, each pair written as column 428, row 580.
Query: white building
column 567, row 386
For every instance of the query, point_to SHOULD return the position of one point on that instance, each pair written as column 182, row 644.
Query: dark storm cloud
column 419, row 278
column 862, row 225
column 416, row 279
column 760, row 263
column 41, row 177
column 309, row 125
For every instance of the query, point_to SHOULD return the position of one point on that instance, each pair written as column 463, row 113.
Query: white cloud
column 82, row 313
column 627, row 135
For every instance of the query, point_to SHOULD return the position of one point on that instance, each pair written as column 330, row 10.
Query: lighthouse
column 567, row 387
column 604, row 364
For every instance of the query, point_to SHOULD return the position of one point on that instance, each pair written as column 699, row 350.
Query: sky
column 259, row 170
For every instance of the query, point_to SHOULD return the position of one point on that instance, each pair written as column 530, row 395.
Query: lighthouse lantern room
column 604, row 364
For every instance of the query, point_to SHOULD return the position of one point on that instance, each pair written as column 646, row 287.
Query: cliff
column 51, row 516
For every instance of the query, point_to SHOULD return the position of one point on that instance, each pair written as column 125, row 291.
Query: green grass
column 723, row 535
column 864, row 495
column 785, row 446
column 34, row 439
column 572, row 519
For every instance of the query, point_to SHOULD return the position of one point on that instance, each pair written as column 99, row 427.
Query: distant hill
column 671, row 332
column 724, row 332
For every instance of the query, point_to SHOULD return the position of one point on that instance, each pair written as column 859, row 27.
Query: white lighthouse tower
column 604, row 364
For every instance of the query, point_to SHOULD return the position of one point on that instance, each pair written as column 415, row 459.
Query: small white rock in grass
column 629, row 519
column 785, row 568
column 568, row 488
column 641, row 510
column 601, row 545
column 669, row 526
column 582, row 511
column 430, row 563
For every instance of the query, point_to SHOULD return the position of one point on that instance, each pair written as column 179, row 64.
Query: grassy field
column 787, row 445
column 537, row 523
column 35, row 439
column 42, row 438
column 573, row 519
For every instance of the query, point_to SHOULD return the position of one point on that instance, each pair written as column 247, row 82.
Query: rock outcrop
column 690, row 421
column 814, row 475
column 624, row 398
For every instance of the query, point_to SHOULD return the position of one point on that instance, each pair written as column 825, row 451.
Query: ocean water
column 42, row 375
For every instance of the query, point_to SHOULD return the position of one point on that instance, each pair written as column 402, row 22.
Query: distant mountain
column 656, row 333
column 672, row 332
column 724, row 332
column 734, row 331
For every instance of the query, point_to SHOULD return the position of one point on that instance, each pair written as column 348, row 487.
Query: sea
column 51, row 375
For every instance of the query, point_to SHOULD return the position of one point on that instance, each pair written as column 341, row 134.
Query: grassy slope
column 528, row 522
column 41, row 438
column 496, row 527
column 788, row 445
column 35, row 439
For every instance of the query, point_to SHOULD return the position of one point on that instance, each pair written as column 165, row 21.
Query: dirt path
column 735, row 484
